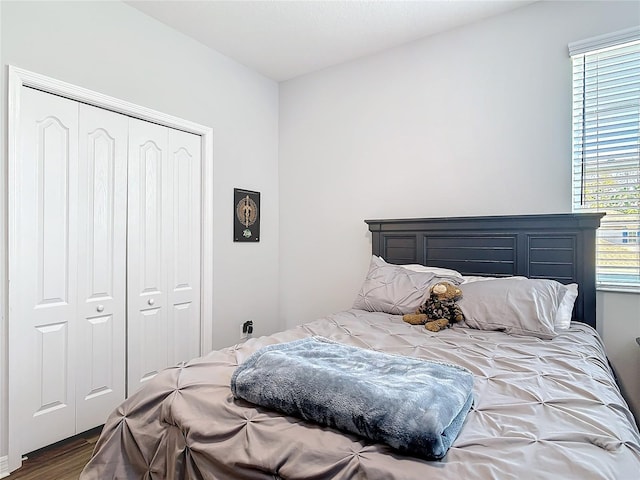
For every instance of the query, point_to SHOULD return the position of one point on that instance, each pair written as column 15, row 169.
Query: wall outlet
column 246, row 330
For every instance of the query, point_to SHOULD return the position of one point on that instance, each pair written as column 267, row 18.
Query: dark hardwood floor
column 61, row 461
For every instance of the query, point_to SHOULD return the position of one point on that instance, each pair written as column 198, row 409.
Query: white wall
column 474, row 121
column 619, row 320
column 114, row 49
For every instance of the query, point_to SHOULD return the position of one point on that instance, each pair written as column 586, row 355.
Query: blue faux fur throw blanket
column 415, row 406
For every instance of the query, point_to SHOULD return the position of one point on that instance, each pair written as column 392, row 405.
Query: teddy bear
column 439, row 310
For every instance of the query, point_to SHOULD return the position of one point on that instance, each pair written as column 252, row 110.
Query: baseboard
column 4, row 467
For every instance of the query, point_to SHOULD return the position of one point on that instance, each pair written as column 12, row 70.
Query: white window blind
column 606, row 149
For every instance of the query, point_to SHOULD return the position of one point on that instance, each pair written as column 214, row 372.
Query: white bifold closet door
column 67, row 268
column 163, row 249
column 104, row 259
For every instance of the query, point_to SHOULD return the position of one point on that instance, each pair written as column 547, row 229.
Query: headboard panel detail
column 495, row 255
column 556, row 246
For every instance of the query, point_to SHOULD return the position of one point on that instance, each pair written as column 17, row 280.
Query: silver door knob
column 100, row 308
column 151, row 301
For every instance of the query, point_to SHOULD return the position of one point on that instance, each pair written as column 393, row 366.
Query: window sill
column 618, row 288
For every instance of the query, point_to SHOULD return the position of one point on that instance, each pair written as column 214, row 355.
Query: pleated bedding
column 415, row 406
column 543, row 409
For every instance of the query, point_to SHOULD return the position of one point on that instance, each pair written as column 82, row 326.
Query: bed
column 545, row 404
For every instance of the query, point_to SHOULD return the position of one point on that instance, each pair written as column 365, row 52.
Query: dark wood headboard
column 555, row 246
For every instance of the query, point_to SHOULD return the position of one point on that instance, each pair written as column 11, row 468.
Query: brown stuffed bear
column 439, row 310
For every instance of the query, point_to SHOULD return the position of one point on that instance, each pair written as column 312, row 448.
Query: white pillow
column 565, row 309
column 441, row 272
column 475, row 278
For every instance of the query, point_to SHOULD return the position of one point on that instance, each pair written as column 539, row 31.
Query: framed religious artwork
column 246, row 215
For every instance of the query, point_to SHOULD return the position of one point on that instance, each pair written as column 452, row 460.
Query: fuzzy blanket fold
column 415, row 406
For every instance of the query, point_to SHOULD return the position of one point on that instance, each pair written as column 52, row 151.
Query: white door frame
column 18, row 78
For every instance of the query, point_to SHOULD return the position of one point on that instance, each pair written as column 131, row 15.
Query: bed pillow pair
column 519, row 306
column 516, row 305
column 399, row 289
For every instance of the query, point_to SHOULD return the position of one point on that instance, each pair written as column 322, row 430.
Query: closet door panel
column 149, row 230
column 152, row 344
column 184, row 292
column 102, row 208
column 42, row 271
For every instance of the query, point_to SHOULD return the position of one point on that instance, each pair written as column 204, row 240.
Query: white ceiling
column 285, row 39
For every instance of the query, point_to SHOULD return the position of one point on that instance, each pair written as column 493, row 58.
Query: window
column 606, row 149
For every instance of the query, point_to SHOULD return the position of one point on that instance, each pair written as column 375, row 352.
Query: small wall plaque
column 246, row 216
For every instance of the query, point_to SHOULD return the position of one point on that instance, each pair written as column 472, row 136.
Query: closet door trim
column 19, row 78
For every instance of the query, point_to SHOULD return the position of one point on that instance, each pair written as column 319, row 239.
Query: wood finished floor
column 61, row 461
